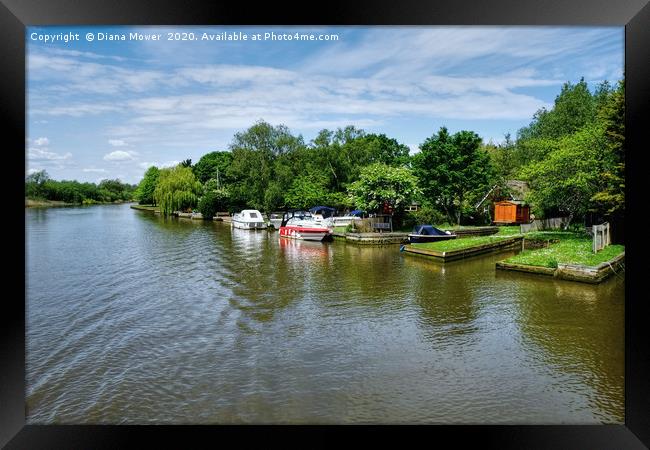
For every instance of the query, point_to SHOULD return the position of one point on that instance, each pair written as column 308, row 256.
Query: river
column 135, row 319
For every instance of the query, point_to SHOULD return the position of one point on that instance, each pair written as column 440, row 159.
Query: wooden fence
column 602, row 236
column 554, row 223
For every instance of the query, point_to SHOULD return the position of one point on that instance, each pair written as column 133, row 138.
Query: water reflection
column 579, row 328
column 444, row 297
column 133, row 318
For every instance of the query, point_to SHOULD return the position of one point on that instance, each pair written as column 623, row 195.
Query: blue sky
column 110, row 109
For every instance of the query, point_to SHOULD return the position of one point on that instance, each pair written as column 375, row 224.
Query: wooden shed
column 511, row 212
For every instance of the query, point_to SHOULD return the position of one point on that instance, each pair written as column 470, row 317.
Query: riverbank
column 563, row 248
column 31, row 203
column 372, row 238
column 42, row 203
column 566, row 256
column 454, row 249
column 146, row 208
column 401, row 237
column 559, row 254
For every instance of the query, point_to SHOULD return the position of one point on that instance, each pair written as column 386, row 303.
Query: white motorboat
column 302, row 225
column 323, row 216
column 350, row 218
column 249, row 219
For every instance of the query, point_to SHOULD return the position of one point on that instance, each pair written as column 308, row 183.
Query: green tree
column 386, row 150
column 273, row 197
column 341, row 154
column 574, row 108
column 147, row 186
column 34, row 184
column 213, row 165
column 567, row 179
column 115, row 190
column 503, row 157
column 453, row 169
column 535, row 149
column 306, row 192
column 255, row 154
column 610, row 198
column 177, row 189
column 264, row 137
column 380, row 184
column 214, row 199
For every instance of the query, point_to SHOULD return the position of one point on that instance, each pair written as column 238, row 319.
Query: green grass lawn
column 342, row 229
column 458, row 244
column 509, row 230
column 572, row 248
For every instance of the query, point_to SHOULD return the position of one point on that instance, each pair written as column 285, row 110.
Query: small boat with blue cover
column 429, row 233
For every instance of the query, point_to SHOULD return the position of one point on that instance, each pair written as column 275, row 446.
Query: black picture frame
column 15, row 15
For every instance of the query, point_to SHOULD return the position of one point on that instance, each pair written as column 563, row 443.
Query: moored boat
column 349, row 218
column 323, row 215
column 275, row 219
column 299, row 224
column 428, row 233
column 249, row 219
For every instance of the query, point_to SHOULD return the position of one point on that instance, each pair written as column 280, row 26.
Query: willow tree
column 177, row 189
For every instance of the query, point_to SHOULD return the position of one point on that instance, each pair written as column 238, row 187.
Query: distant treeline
column 39, row 186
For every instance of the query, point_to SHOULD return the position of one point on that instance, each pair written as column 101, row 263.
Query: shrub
column 425, row 215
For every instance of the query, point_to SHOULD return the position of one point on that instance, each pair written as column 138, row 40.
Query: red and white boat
column 301, row 225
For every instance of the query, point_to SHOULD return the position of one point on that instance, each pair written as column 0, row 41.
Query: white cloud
column 118, row 155
column 94, row 170
column 173, row 106
column 91, row 55
column 41, row 141
column 37, row 154
column 146, row 165
column 76, row 110
column 413, row 148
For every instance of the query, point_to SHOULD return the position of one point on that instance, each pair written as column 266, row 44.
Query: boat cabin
column 297, row 214
column 323, row 211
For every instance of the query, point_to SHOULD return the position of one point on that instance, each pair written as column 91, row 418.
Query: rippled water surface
column 134, row 319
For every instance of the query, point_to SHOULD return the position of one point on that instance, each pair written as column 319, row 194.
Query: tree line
column 39, row 186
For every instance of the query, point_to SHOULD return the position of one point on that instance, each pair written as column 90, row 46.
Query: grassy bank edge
column 41, row 203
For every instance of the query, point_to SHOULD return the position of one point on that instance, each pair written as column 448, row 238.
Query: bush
column 208, row 204
column 360, row 226
column 424, row 216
